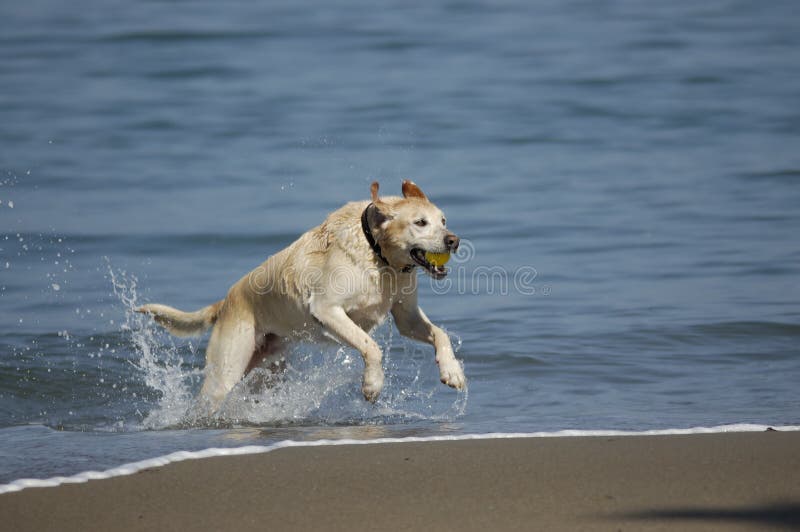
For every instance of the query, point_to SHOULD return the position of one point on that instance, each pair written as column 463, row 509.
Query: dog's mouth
column 437, row 271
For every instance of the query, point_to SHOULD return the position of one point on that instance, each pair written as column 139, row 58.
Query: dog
column 337, row 281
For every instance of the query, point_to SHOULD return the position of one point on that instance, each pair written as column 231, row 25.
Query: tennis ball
column 437, row 259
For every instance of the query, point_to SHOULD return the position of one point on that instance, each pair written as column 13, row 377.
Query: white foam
column 180, row 456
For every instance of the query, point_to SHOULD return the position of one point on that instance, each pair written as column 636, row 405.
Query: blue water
column 625, row 177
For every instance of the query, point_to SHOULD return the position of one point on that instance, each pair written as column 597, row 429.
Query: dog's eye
column 444, row 221
column 422, row 222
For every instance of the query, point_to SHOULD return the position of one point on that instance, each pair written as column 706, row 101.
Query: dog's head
column 410, row 229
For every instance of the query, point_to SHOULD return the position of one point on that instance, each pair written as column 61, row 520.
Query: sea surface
column 624, row 175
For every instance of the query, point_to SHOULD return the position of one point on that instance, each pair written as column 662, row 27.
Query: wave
column 146, row 243
column 180, row 36
column 180, row 456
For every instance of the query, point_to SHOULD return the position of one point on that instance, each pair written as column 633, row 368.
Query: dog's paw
column 372, row 384
column 451, row 374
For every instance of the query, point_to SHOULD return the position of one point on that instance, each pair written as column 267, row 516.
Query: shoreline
column 130, row 468
column 722, row 480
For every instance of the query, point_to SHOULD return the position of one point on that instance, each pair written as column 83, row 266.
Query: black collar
column 368, row 234
column 371, row 240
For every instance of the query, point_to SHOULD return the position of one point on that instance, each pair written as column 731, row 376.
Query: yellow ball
column 437, row 259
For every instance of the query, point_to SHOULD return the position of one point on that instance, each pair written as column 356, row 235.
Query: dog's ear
column 411, row 190
column 373, row 189
column 380, row 212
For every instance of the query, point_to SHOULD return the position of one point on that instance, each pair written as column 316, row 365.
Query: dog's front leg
column 339, row 324
column 412, row 322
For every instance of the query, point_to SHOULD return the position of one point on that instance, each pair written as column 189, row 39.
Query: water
column 625, row 178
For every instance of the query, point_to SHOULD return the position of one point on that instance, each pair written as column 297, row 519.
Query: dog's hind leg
column 228, row 354
column 268, row 353
column 268, row 365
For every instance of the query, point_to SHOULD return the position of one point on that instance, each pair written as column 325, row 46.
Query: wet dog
column 337, row 281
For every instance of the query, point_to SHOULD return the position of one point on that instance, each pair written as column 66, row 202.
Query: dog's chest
column 370, row 301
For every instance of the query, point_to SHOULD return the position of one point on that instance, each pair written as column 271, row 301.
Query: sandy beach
column 738, row 481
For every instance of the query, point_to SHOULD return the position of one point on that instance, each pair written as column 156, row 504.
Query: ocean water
column 625, row 177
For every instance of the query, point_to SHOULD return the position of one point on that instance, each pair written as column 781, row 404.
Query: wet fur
column 299, row 293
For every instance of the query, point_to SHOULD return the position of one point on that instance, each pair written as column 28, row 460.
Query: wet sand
column 741, row 481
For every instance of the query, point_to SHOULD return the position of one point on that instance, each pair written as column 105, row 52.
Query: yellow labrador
column 339, row 280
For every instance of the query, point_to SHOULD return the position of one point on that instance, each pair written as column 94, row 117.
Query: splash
column 157, row 358
column 321, row 384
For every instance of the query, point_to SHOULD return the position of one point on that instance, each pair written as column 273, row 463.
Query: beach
column 724, row 481
column 624, row 178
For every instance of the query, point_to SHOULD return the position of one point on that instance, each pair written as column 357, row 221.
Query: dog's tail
column 182, row 323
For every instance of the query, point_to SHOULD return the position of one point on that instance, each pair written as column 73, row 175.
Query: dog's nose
column 451, row 241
